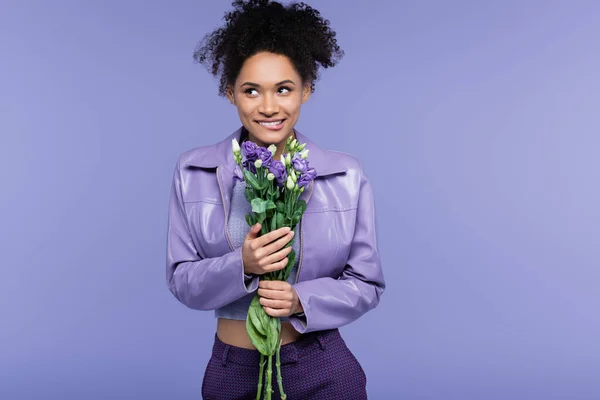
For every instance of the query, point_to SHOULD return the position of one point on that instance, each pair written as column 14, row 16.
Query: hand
column 265, row 254
column 278, row 298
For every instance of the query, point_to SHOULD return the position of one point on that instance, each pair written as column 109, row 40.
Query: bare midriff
column 233, row 332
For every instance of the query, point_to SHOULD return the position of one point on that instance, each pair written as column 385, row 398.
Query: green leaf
column 258, row 205
column 290, row 265
column 295, row 219
column 250, row 177
column 274, row 222
column 280, row 206
column 255, row 320
column 273, row 335
column 300, row 207
column 280, row 220
column 260, row 218
column 249, row 193
column 258, row 340
column 250, row 219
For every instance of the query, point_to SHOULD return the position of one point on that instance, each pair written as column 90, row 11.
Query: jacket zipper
column 302, row 233
column 225, row 211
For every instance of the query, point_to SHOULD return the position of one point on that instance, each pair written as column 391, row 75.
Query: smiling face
column 268, row 94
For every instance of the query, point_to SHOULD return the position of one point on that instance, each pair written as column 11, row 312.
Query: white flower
column 270, row 176
column 304, row 154
column 272, row 148
column 290, row 183
column 288, row 160
column 293, row 175
column 258, row 163
column 235, row 146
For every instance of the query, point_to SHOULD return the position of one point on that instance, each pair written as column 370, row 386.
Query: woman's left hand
column 278, row 298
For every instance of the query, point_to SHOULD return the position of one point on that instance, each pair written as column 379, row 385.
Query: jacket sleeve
column 330, row 303
column 200, row 283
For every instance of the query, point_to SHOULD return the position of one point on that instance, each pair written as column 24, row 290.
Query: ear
column 306, row 92
column 230, row 95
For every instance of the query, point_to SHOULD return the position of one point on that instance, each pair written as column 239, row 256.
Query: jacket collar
column 220, row 155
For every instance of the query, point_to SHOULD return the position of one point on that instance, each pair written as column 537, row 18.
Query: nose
column 268, row 105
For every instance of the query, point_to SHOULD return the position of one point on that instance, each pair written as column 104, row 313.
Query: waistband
column 289, row 353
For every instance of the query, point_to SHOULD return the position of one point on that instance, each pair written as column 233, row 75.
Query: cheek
column 292, row 105
column 245, row 108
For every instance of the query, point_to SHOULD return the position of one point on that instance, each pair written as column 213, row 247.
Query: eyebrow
column 277, row 84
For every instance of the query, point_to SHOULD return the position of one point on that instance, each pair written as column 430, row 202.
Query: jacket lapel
column 220, row 157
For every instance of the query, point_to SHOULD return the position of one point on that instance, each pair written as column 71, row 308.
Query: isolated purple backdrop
column 477, row 123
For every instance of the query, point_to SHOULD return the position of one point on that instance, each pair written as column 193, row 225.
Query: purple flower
column 306, row 177
column 300, row 164
column 247, row 165
column 265, row 155
column 249, row 150
column 278, row 169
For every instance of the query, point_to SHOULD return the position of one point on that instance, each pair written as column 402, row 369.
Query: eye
column 284, row 89
column 249, row 91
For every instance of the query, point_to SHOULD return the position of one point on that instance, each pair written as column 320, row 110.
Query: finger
column 276, row 312
column 275, row 257
column 279, row 265
column 274, row 284
column 271, row 236
column 278, row 244
column 253, row 232
column 279, row 295
column 276, row 304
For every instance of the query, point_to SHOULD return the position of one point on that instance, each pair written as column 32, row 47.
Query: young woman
column 267, row 56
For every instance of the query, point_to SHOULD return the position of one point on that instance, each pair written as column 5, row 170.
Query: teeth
column 274, row 123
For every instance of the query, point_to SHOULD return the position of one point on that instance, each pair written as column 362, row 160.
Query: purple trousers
column 319, row 365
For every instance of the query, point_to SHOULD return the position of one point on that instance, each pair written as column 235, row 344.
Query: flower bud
column 304, row 154
column 302, row 189
column 293, row 144
column 272, row 148
column 258, row 163
column 301, row 147
column 288, row 160
column 282, row 158
column 235, row 146
column 293, row 175
column 289, row 140
column 270, row 176
column 290, row 183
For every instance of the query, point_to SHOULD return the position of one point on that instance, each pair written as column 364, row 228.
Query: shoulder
column 206, row 156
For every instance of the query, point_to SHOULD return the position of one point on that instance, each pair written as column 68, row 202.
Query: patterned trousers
column 317, row 366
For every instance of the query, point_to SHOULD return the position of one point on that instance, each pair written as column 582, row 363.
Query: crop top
column 238, row 228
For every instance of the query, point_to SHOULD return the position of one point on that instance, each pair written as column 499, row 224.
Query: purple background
column 477, row 123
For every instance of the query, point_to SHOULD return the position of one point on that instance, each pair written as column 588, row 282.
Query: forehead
column 267, row 68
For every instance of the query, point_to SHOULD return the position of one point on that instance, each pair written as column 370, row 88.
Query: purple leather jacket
column 339, row 271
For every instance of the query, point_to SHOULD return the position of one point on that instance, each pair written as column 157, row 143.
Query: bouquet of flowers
column 273, row 188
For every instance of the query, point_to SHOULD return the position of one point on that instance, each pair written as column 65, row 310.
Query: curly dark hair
column 297, row 31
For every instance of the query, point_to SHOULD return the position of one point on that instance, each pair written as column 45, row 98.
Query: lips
column 272, row 124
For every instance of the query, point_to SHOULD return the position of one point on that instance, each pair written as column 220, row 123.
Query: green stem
column 279, row 377
column 260, row 377
column 269, row 386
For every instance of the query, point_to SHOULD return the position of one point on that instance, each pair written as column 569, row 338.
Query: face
column 268, row 94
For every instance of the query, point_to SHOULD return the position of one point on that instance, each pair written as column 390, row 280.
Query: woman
column 267, row 56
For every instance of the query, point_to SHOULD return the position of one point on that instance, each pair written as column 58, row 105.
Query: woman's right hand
column 265, row 253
